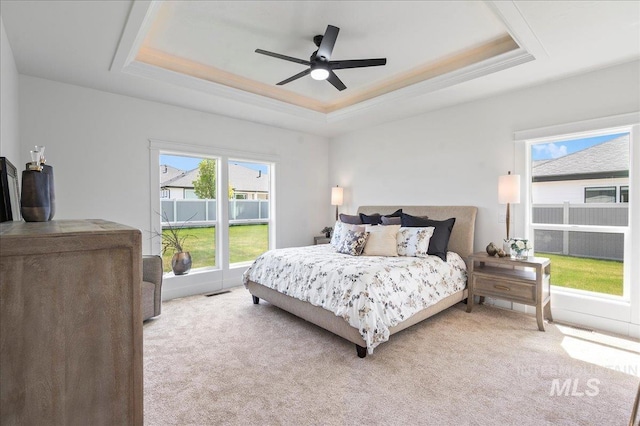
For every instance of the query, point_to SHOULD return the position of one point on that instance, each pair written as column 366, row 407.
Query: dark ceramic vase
column 52, row 191
column 35, row 199
column 181, row 263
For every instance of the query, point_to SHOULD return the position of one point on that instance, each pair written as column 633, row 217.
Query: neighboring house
column 598, row 174
column 246, row 183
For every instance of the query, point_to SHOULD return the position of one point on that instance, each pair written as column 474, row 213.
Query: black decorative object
column 48, row 170
column 37, row 203
column 10, row 201
column 36, row 196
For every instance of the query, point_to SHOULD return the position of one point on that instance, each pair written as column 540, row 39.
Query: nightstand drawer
column 504, row 289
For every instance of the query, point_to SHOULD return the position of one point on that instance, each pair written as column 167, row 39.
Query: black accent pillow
column 350, row 219
column 376, row 218
column 440, row 240
column 373, row 219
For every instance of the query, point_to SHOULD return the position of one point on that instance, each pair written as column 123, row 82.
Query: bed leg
column 362, row 352
column 256, row 299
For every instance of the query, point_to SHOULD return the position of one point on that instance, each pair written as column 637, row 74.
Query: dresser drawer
column 504, row 289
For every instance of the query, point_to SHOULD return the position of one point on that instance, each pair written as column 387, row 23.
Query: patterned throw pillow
column 340, row 230
column 353, row 243
column 439, row 243
column 414, row 242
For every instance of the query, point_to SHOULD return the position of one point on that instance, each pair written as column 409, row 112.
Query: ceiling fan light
column 319, row 74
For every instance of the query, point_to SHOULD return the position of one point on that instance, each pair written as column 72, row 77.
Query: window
column 624, row 194
column 194, row 213
column 600, row 195
column 584, row 236
column 225, row 233
column 248, row 215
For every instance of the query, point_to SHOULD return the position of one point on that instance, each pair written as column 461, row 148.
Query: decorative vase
column 35, row 199
column 181, row 263
column 48, row 170
column 519, row 254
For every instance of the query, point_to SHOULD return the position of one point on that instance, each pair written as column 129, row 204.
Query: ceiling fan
column 320, row 64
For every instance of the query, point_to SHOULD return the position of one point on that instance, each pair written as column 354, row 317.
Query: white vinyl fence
column 203, row 212
column 582, row 230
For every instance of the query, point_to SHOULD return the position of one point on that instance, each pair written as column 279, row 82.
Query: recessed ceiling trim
column 506, row 60
column 518, row 27
column 429, row 71
column 140, row 69
column 138, row 23
column 205, row 72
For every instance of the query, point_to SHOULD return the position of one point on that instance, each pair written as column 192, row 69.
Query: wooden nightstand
column 321, row 240
column 521, row 281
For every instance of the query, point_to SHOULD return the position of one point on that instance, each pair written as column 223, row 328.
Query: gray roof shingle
column 240, row 178
column 610, row 156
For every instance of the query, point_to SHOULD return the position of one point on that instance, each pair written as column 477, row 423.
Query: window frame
column 618, row 315
column 600, row 188
column 223, row 275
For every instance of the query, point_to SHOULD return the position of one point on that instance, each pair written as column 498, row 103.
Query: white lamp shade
column 509, row 189
column 336, row 196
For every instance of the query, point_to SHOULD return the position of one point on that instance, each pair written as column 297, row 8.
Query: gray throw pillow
column 351, row 219
column 391, row 220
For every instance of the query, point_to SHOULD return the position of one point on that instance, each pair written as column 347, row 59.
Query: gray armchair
column 151, row 286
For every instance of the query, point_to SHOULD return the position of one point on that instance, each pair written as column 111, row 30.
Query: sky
column 548, row 151
column 190, row 163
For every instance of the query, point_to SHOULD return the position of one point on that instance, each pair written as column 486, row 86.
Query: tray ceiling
column 216, row 42
column 200, row 54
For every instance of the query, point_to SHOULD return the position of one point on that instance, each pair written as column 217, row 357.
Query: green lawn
column 602, row 276
column 246, row 242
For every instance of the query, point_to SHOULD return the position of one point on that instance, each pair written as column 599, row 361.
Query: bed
column 270, row 284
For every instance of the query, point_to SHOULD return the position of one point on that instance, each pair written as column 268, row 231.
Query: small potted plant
column 327, row 230
column 173, row 239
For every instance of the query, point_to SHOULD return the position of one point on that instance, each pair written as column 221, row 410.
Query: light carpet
column 223, row 361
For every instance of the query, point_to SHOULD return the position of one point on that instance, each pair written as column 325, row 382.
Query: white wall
column 9, row 123
column 455, row 155
column 98, row 145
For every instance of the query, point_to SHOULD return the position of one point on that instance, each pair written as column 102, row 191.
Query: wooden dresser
column 70, row 323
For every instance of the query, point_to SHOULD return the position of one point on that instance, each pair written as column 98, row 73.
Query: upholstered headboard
column 462, row 235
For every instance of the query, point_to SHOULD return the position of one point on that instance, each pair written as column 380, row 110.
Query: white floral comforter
column 371, row 293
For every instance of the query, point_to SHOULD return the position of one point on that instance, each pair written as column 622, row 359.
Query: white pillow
column 382, row 240
column 414, row 241
column 340, row 230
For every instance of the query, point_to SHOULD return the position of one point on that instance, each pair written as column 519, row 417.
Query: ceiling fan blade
column 337, row 83
column 286, row 58
column 328, row 41
column 357, row 63
column 295, row 77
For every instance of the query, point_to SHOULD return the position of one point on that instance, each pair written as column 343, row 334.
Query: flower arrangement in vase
column 520, row 248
